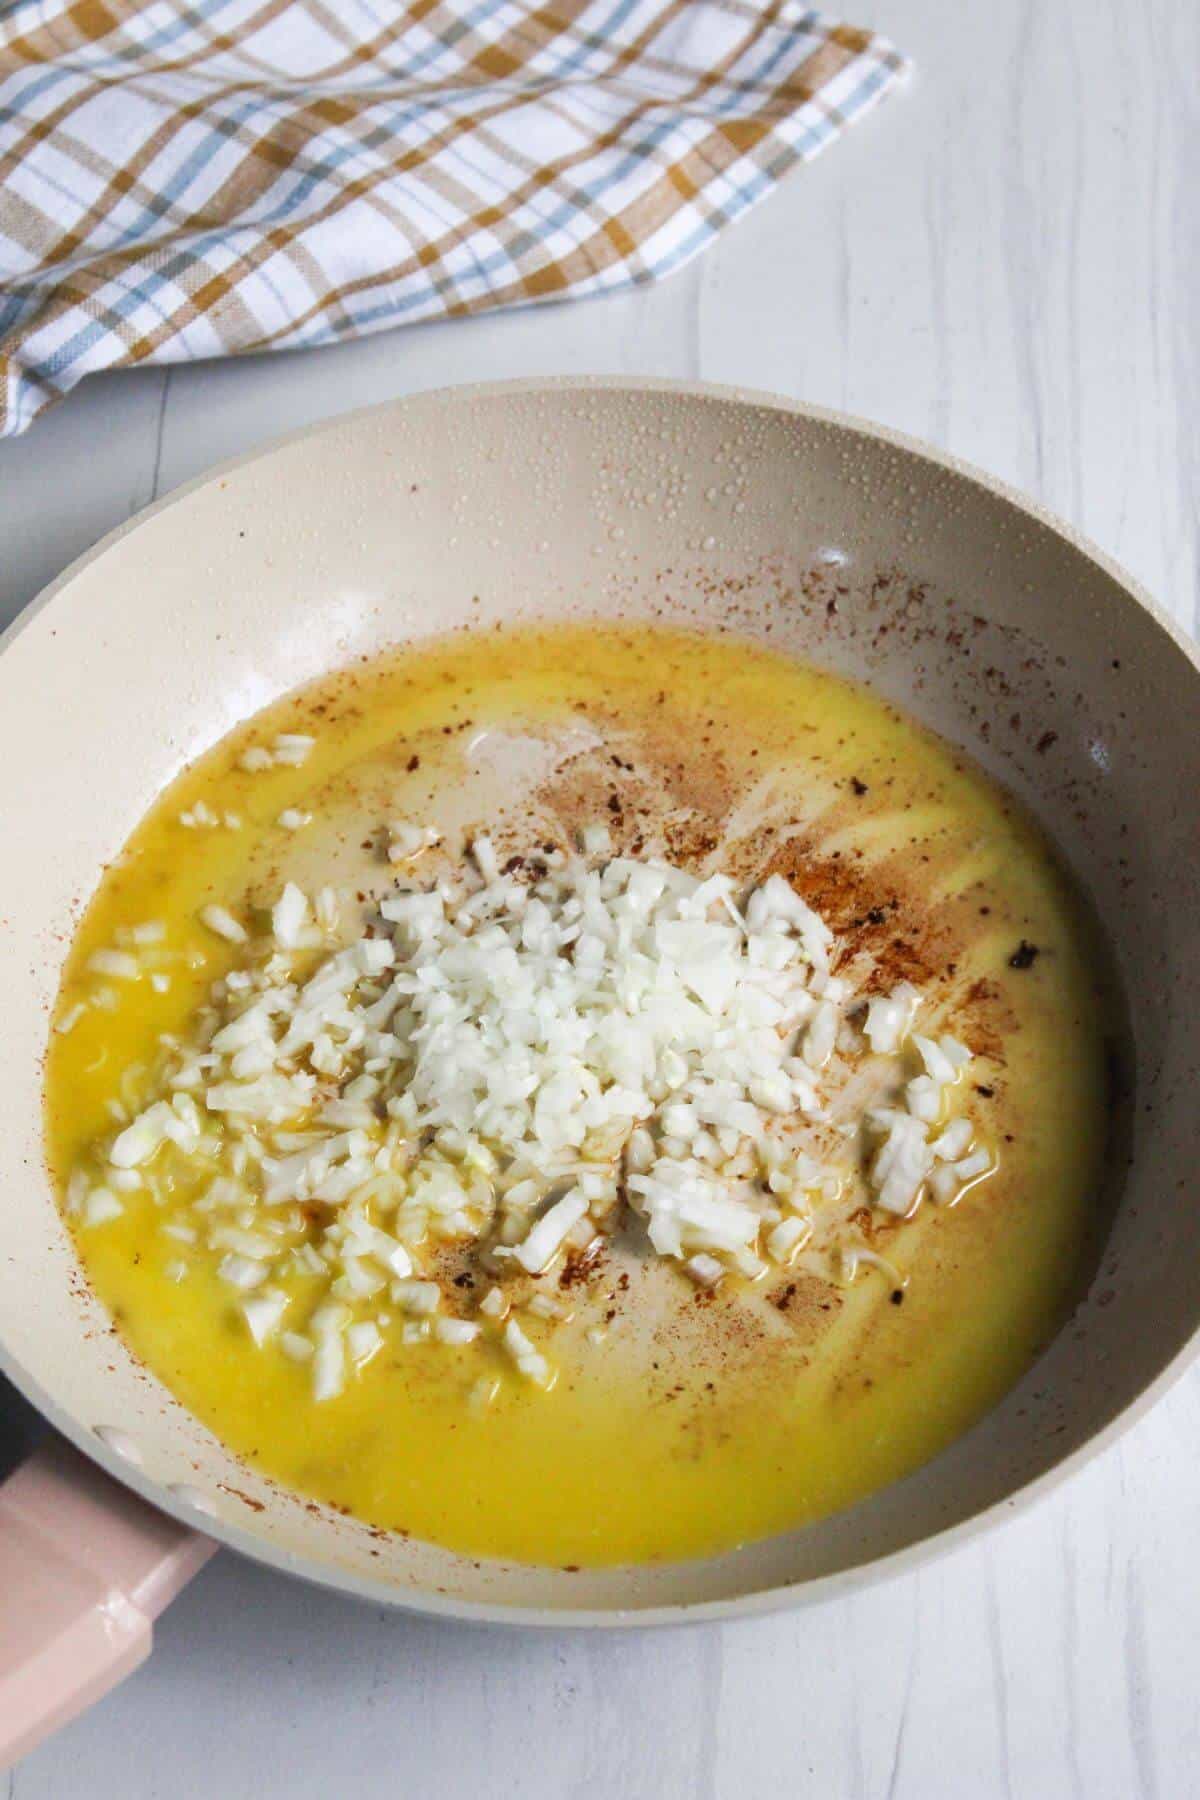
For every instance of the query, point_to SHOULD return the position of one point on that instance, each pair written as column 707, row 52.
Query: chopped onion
column 221, row 921
column 494, row 1065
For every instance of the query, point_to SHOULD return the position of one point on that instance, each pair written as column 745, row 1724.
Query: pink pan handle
column 85, row 1567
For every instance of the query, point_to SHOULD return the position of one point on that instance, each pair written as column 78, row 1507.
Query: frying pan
column 822, row 536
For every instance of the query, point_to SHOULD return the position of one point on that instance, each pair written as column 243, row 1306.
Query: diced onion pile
column 497, row 1064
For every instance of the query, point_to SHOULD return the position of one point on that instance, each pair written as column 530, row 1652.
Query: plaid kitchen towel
column 193, row 178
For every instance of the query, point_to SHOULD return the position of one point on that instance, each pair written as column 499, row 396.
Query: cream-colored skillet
column 630, row 499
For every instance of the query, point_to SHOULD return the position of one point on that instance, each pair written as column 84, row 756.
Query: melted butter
column 697, row 1424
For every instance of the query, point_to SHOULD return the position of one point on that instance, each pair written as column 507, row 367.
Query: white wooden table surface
column 1004, row 259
